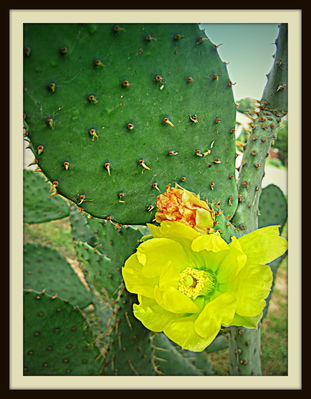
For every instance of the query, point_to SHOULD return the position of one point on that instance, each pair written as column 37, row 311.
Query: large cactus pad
column 116, row 113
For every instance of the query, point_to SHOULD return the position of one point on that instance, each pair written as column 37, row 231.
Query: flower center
column 193, row 282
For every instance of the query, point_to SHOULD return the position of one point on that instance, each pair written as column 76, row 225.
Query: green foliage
column 274, row 162
column 45, row 269
column 121, row 125
column 57, row 340
column 281, row 142
column 38, row 207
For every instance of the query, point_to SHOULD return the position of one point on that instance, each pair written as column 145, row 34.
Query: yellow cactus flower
column 190, row 285
column 180, row 205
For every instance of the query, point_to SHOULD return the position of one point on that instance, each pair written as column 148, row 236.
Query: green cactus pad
column 272, row 207
column 57, row 340
column 169, row 359
column 276, row 90
column 80, row 228
column 115, row 241
column 45, row 269
column 244, row 351
column 98, row 270
column 97, row 97
column 38, row 207
column 247, row 105
column 130, row 350
column 273, row 210
column 219, row 343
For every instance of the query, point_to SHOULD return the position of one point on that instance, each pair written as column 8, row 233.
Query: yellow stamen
column 195, row 282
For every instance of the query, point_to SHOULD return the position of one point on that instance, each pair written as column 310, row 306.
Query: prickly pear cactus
column 39, row 207
column 115, row 113
column 57, row 339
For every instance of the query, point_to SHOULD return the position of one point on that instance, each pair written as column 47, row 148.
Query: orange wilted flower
column 178, row 204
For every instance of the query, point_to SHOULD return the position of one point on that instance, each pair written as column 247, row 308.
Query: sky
column 248, row 48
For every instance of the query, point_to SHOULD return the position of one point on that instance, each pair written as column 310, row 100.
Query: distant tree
column 281, row 143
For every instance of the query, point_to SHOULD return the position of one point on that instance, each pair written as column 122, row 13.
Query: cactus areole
column 121, row 98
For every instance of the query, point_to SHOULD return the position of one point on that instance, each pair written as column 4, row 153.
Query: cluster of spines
column 251, row 170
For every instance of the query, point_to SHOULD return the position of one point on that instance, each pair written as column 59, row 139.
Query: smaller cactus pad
column 45, row 269
column 80, row 228
column 272, row 207
column 115, row 241
column 38, row 207
column 98, row 270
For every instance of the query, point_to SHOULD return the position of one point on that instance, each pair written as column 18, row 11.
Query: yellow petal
column 232, row 263
column 264, row 245
column 203, row 220
column 210, row 242
column 157, row 253
column 190, row 199
column 216, row 313
column 247, row 322
column 182, row 332
column 154, row 230
column 174, row 301
column 254, row 284
column 152, row 315
column 134, row 280
column 169, row 277
column 177, row 230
